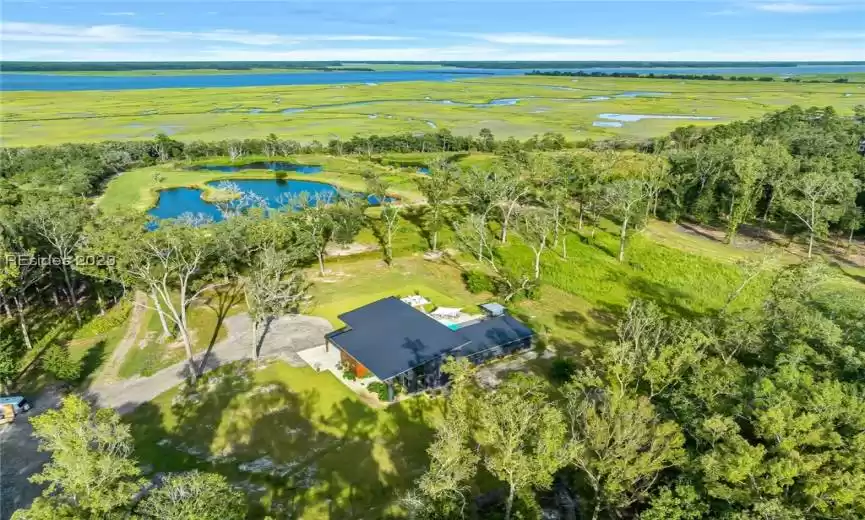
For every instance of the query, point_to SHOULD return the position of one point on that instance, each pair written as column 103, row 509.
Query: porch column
column 389, row 390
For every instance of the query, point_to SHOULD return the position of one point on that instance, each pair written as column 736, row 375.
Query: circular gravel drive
column 282, row 340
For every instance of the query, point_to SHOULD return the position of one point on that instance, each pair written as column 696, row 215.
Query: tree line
column 700, row 77
column 651, row 75
column 754, row 414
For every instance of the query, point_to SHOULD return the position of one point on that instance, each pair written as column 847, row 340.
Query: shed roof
column 493, row 308
column 493, row 332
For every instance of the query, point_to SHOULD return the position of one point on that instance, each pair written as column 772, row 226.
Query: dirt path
column 284, row 338
column 109, row 372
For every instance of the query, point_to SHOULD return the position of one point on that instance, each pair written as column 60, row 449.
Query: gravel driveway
column 282, row 340
column 19, row 458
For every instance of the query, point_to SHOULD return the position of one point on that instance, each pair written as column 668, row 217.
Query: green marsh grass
column 31, row 118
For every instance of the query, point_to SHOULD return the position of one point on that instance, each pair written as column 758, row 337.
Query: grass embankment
column 321, row 452
column 324, row 112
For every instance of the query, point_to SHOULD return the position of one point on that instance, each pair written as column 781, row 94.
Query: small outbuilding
column 398, row 343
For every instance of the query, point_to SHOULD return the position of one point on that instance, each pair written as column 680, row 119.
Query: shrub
column 107, row 322
column 380, row 389
column 562, row 370
column 478, row 282
column 56, row 361
column 348, row 374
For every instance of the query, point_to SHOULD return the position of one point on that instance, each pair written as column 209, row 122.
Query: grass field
column 322, row 112
column 300, row 442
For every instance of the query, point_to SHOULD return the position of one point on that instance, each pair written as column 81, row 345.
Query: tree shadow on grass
column 668, row 299
column 416, row 215
column 378, row 232
column 572, row 320
column 695, row 230
column 294, row 456
column 91, row 362
column 220, row 302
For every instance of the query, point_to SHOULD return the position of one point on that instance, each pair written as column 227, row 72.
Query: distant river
column 13, row 81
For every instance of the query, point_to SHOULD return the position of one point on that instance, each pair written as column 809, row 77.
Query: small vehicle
column 7, row 413
column 19, row 404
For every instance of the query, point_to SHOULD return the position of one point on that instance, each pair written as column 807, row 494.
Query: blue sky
column 746, row 30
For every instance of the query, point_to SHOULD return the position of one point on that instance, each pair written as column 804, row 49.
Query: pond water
column 424, row 170
column 608, row 124
column 276, row 166
column 631, row 118
column 175, row 202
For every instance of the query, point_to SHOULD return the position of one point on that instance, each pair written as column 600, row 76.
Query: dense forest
column 755, row 414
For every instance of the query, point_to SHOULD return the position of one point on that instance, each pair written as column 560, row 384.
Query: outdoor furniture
column 415, row 300
column 447, row 312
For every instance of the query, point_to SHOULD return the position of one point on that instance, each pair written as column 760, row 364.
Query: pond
column 631, row 118
column 175, row 202
column 608, row 124
column 276, row 166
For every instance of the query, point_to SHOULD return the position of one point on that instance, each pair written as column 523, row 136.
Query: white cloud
column 120, row 13
column 543, row 39
column 51, row 33
column 795, row 7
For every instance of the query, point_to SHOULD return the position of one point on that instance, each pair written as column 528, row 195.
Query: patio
column 321, row 359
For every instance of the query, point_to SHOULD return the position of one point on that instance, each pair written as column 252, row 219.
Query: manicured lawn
column 331, row 455
column 357, row 281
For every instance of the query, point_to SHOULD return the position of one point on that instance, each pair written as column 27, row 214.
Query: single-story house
column 396, row 342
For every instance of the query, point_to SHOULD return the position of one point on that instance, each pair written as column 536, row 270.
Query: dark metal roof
column 492, row 332
column 389, row 336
